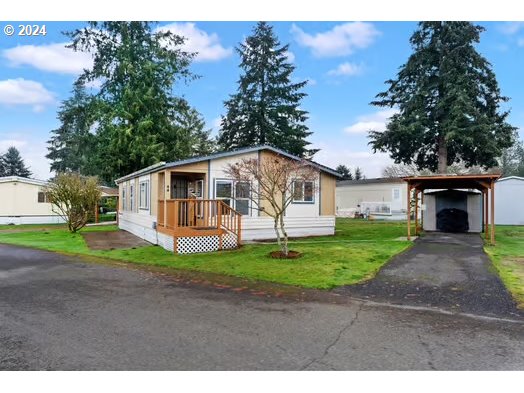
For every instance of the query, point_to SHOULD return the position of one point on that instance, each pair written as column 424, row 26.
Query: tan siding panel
column 154, row 194
column 327, row 194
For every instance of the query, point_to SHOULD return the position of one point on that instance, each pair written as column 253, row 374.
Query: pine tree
column 359, row 175
column 136, row 109
column 345, row 172
column 72, row 146
column 448, row 101
column 13, row 164
column 266, row 107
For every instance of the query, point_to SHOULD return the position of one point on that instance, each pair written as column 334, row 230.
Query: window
column 224, row 191
column 124, row 199
column 131, row 197
column 303, row 191
column 143, row 200
column 396, row 194
column 242, row 193
column 43, row 197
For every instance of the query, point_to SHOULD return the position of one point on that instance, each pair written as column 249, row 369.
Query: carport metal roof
column 484, row 183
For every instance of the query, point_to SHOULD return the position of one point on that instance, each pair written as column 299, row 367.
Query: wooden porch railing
column 199, row 214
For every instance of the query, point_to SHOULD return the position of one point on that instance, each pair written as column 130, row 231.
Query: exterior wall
column 140, row 225
column 262, row 228
column 154, row 194
column 509, row 201
column 327, row 194
column 19, row 205
column 350, row 196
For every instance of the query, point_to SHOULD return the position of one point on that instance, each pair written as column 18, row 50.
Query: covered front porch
column 196, row 224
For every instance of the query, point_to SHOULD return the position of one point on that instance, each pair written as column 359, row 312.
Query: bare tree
column 74, row 198
column 405, row 170
column 276, row 181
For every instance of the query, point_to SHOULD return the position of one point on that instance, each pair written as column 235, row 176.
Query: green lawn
column 31, row 227
column 354, row 254
column 508, row 257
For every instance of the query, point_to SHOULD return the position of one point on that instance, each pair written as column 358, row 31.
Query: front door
column 179, row 188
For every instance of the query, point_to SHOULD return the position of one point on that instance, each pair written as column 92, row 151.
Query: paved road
column 443, row 270
column 57, row 312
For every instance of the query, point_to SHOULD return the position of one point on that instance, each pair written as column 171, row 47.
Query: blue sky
column 346, row 64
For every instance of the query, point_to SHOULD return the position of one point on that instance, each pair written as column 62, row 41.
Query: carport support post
column 486, row 229
column 492, row 213
column 409, row 211
column 416, row 212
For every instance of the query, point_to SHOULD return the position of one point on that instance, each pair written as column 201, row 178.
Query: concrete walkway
column 113, row 240
column 443, row 270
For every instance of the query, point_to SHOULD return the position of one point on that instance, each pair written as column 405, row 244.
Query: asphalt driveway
column 63, row 313
column 444, row 270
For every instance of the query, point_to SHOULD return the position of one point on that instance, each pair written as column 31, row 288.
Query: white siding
column 509, row 201
column 138, row 224
column 258, row 228
column 350, row 196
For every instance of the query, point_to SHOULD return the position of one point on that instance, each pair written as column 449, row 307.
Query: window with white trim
column 143, row 197
column 132, row 197
column 303, row 191
column 234, row 194
column 396, row 194
column 242, row 195
column 124, row 197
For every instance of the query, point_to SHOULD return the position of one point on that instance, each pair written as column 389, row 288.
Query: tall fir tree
column 72, row 144
column 136, row 109
column 345, row 172
column 266, row 107
column 448, row 103
column 359, row 175
column 13, row 164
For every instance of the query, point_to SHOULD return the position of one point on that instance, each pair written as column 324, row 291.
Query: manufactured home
column 193, row 206
column 381, row 198
column 23, row 201
column 509, row 201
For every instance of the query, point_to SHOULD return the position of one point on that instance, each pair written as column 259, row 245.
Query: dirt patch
column 281, row 255
column 113, row 240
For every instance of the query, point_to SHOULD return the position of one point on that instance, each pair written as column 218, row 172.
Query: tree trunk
column 442, row 155
column 279, row 241
column 283, row 247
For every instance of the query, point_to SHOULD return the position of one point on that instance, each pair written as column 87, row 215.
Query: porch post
column 167, row 186
column 409, row 211
column 422, row 211
column 492, row 212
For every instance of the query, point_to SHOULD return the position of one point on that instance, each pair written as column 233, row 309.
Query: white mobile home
column 381, row 198
column 23, row 201
column 192, row 206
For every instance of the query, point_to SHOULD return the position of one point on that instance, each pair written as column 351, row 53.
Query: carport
column 484, row 183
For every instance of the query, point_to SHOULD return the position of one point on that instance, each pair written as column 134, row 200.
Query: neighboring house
column 381, row 198
column 23, row 201
column 509, row 201
column 192, row 206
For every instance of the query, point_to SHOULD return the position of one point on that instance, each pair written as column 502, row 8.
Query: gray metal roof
column 161, row 166
column 341, row 183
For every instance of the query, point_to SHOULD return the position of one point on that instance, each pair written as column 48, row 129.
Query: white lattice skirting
column 195, row 244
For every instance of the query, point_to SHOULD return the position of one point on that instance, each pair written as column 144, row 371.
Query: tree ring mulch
column 280, row 255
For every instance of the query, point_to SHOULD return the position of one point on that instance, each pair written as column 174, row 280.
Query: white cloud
column 376, row 122
column 371, row 164
column 51, row 57
column 207, row 45
column 346, row 69
column 290, row 56
column 511, row 28
column 341, row 40
column 311, row 81
column 32, row 150
column 25, row 92
column 520, row 42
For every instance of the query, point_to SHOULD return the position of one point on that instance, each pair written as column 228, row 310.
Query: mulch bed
column 280, row 255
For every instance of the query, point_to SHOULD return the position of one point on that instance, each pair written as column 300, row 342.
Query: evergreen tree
column 266, row 107
column 448, row 101
column 2, row 168
column 193, row 137
column 72, row 146
column 13, row 164
column 345, row 172
column 135, row 110
column 512, row 160
column 359, row 175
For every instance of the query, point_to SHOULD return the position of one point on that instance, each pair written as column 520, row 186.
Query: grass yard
column 356, row 252
column 508, row 257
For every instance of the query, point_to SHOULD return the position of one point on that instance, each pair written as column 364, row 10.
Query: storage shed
column 452, row 211
column 509, row 201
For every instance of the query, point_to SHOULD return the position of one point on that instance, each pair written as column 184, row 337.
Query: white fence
column 375, row 208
